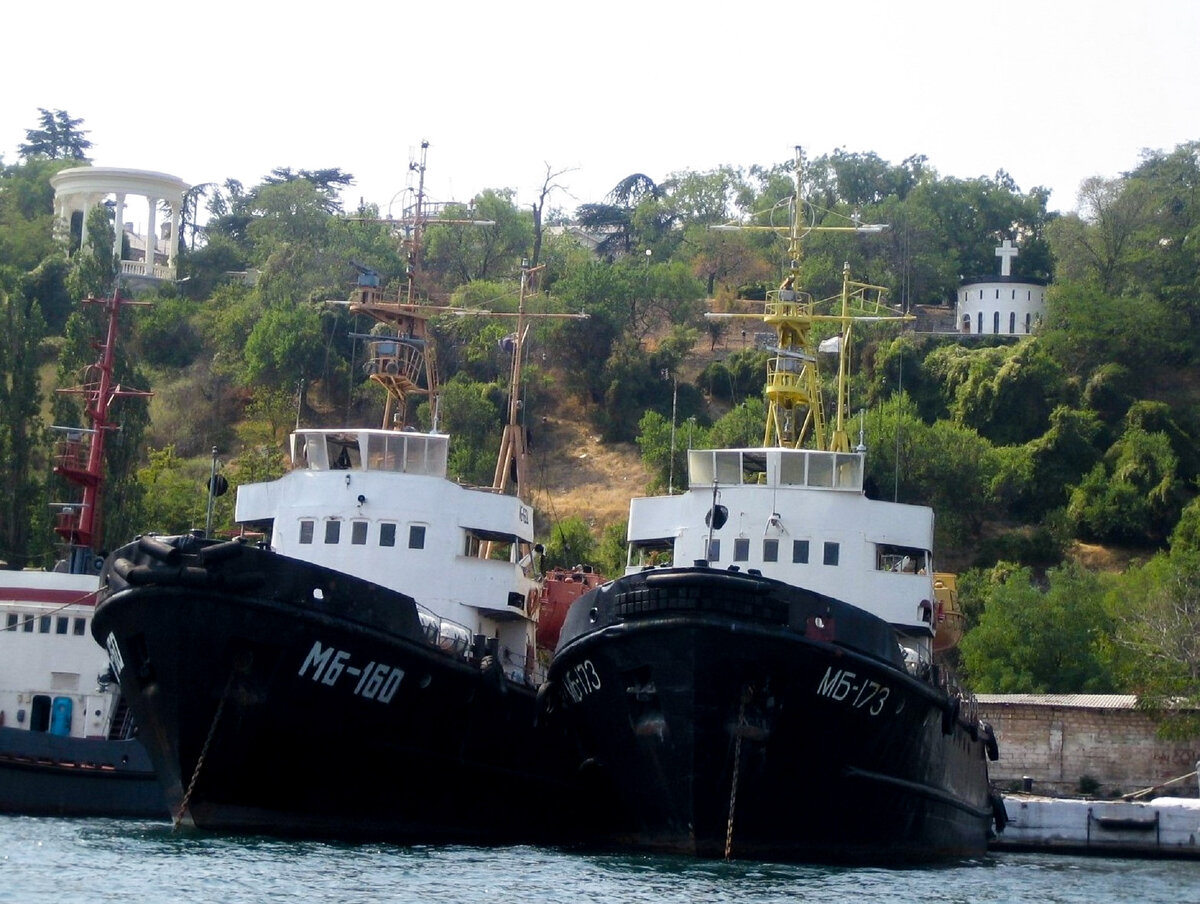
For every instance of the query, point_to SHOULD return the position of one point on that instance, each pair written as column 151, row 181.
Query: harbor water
column 71, row 861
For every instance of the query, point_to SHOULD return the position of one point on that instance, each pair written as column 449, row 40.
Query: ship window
column 62, row 624
column 771, row 550
column 44, row 624
column 27, row 625
column 800, row 552
column 387, row 534
column 831, row 553
column 358, row 533
column 306, row 531
column 741, row 549
column 714, row 550
column 80, row 627
column 416, row 536
column 333, row 531
column 13, row 618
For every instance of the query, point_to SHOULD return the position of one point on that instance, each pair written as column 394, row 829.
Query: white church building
column 1003, row 305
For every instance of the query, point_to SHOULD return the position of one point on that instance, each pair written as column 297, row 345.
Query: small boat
column 761, row 682
column 371, row 669
column 67, row 741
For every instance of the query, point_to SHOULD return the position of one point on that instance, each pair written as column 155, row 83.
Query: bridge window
column 741, row 549
column 80, row 627
column 62, row 624
column 358, row 533
column 714, row 550
column 306, row 531
column 771, row 550
column 416, row 536
column 831, row 553
column 333, row 531
column 800, row 552
column 387, row 534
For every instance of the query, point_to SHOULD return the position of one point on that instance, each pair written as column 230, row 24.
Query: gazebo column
column 119, row 223
column 151, row 234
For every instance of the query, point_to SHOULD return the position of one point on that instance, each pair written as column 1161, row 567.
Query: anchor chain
column 212, row 730
column 737, row 760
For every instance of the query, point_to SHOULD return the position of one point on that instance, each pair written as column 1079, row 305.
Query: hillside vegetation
column 1062, row 466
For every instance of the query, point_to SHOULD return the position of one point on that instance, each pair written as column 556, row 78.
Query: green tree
column 1037, row 641
column 471, row 414
column 285, row 345
column 1134, row 496
column 1158, row 615
column 27, row 215
column 57, row 137
column 570, row 543
column 943, row 465
column 94, row 267
column 1006, row 393
column 21, row 329
column 175, row 491
column 491, row 247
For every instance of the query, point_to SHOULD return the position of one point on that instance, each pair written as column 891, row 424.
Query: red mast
column 80, row 455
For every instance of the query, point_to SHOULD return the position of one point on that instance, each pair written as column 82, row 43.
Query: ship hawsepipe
column 279, row 696
column 725, row 713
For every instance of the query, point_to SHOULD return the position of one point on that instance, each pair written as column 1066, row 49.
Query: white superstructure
column 49, row 663
column 377, row 504
column 798, row 516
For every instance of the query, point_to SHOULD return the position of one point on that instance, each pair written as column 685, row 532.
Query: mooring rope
column 737, row 760
column 212, row 730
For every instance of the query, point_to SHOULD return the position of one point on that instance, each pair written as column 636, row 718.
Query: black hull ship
column 47, row 775
column 726, row 713
column 288, row 698
column 371, row 669
column 68, row 746
column 764, row 681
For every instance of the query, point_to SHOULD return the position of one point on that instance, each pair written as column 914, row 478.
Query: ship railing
column 453, row 639
column 446, row 635
column 947, row 680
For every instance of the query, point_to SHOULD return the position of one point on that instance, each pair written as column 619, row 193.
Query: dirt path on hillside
column 574, row 474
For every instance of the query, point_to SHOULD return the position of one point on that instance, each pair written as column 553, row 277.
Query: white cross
column 1006, row 252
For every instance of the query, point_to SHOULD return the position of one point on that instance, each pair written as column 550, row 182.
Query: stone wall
column 1057, row 740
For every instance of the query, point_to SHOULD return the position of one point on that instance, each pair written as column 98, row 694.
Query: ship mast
column 79, row 455
column 513, row 445
column 795, row 408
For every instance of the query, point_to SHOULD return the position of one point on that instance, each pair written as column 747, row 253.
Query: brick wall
column 1057, row 743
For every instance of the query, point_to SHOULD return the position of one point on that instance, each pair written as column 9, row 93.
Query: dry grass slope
column 574, row 474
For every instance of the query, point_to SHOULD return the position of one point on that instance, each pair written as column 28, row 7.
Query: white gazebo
column 80, row 189
column 1003, row 305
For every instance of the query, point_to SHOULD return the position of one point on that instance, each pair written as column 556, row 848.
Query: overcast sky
column 1051, row 92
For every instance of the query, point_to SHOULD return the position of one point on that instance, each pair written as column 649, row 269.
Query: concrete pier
column 1162, row 827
